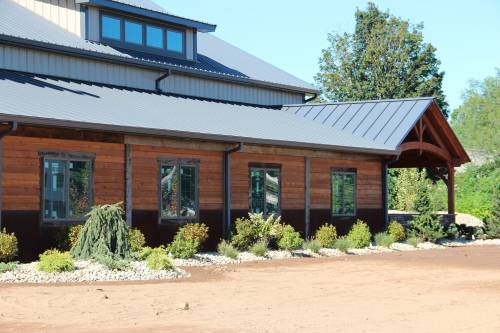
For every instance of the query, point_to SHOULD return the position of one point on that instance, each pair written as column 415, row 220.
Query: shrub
column 136, row 240
column 105, row 234
column 312, row 245
column 73, row 233
column 326, row 235
column 427, row 227
column 492, row 223
column 194, row 231
column 7, row 266
column 183, row 248
column 159, row 260
column 8, row 246
column 413, row 241
column 259, row 249
column 145, row 252
column 52, row 261
column 113, row 264
column 397, row 231
column 359, row 235
column 227, row 250
column 384, row 239
column 290, row 239
column 246, row 234
column 452, row 231
column 343, row 244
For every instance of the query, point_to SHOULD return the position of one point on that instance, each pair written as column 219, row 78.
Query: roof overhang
column 164, row 17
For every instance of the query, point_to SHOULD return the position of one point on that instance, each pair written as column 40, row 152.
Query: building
column 106, row 101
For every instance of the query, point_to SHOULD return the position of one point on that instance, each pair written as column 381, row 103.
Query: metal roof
column 151, row 10
column 39, row 100
column 19, row 25
column 382, row 122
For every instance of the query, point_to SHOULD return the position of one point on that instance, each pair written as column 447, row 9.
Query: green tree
column 406, row 188
column 492, row 223
column 477, row 120
column 385, row 57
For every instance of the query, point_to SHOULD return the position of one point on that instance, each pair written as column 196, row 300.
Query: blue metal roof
column 39, row 100
column 215, row 57
column 383, row 122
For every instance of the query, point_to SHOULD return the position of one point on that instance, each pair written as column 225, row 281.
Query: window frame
column 265, row 168
column 67, row 157
column 340, row 171
column 121, row 43
column 179, row 162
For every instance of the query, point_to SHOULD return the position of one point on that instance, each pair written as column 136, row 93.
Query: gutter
column 145, row 64
column 227, row 188
column 12, row 128
column 160, row 78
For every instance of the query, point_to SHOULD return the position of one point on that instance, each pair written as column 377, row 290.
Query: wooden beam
column 307, row 199
column 451, row 189
column 428, row 147
column 128, row 185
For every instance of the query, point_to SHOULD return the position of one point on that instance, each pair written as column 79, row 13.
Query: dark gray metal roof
column 38, row 100
column 216, row 57
column 150, row 9
column 383, row 122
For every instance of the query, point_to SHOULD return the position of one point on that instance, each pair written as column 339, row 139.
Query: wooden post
column 1, row 179
column 451, row 189
column 128, row 185
column 307, row 195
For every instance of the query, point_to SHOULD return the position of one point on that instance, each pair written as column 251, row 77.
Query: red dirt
column 453, row 290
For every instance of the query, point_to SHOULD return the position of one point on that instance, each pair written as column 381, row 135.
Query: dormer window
column 142, row 36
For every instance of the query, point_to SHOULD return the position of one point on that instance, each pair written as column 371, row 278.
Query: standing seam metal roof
column 54, row 102
column 384, row 122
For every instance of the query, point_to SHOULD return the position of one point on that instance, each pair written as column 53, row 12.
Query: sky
column 290, row 34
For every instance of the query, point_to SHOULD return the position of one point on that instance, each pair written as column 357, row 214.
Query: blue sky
column 291, row 34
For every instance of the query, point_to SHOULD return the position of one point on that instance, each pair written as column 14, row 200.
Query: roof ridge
column 363, row 101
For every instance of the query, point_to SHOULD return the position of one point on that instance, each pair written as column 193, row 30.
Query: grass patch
column 312, row 245
column 227, row 250
column 343, row 244
column 259, row 249
column 413, row 241
column 7, row 266
column 384, row 239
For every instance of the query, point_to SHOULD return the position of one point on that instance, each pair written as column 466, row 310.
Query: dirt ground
column 452, row 290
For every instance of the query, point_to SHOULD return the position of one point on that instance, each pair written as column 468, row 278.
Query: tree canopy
column 477, row 120
column 386, row 57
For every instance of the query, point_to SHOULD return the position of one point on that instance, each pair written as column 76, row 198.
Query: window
column 343, row 193
column 154, row 37
column 67, row 193
column 179, row 189
column 133, row 32
column 136, row 35
column 111, row 27
column 265, row 190
column 175, row 41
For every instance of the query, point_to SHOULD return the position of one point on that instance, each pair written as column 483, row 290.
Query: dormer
column 141, row 26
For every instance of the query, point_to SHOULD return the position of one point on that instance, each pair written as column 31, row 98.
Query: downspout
column 307, row 100
column 161, row 78
column 12, row 128
column 227, row 188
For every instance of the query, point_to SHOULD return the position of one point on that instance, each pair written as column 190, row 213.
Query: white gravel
column 88, row 271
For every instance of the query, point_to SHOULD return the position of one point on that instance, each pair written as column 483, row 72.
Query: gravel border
column 90, row 271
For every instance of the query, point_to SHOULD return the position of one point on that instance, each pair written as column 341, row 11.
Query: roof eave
column 190, row 135
column 164, row 17
column 72, row 51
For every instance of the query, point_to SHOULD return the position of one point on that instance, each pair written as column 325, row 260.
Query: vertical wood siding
column 64, row 13
column 21, row 170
